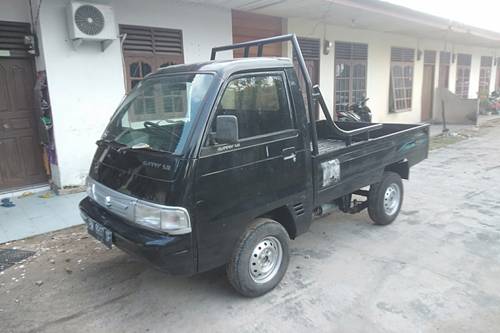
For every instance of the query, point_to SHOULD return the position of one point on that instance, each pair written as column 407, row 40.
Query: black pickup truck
column 223, row 162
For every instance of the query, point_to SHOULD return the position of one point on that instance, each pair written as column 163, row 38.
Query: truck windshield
column 159, row 113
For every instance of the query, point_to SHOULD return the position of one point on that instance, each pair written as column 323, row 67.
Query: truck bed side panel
column 363, row 163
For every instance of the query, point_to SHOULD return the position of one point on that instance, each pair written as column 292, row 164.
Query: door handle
column 289, row 154
column 291, row 157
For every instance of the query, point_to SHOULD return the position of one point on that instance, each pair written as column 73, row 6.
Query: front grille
column 111, row 200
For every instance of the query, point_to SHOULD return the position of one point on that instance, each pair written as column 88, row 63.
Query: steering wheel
column 155, row 126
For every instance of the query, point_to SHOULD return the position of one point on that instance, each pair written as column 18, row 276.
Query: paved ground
column 38, row 213
column 437, row 268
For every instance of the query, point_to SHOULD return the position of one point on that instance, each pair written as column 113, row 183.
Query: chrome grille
column 113, row 201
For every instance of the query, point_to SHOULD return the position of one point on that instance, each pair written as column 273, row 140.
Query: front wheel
column 260, row 259
column 385, row 199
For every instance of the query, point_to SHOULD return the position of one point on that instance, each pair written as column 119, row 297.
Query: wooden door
column 427, row 92
column 20, row 150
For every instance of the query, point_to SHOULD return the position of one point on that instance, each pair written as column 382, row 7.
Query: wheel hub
column 265, row 260
column 392, row 199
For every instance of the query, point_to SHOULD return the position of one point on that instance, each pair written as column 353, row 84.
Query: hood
column 146, row 175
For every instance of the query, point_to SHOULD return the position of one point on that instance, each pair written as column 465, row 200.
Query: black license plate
column 101, row 233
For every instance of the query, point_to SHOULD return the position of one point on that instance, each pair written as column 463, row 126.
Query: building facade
column 62, row 95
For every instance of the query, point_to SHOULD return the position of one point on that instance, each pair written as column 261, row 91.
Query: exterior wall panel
column 86, row 85
column 379, row 53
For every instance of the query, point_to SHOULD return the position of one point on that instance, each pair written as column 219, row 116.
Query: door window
column 260, row 104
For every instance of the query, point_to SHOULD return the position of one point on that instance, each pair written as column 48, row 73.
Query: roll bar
column 346, row 135
column 313, row 95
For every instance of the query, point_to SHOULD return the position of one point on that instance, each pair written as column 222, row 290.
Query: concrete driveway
column 437, row 268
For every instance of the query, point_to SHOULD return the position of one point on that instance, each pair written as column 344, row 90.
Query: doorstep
column 27, row 190
column 38, row 213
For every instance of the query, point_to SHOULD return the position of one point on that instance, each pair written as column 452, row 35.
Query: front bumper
column 168, row 253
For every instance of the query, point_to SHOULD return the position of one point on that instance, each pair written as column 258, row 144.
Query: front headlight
column 174, row 220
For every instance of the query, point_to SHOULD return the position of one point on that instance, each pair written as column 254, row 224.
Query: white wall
column 378, row 75
column 203, row 27
column 86, row 85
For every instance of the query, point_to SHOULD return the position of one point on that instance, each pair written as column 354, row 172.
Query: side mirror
column 226, row 129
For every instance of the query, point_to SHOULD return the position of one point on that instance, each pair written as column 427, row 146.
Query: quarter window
column 259, row 103
column 401, row 85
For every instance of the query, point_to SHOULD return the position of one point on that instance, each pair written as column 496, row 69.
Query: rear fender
column 402, row 168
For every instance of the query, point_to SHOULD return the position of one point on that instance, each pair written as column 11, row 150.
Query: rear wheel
column 260, row 259
column 385, row 199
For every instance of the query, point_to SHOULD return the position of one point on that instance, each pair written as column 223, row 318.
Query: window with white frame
column 401, row 83
column 485, row 75
column 463, row 75
column 351, row 60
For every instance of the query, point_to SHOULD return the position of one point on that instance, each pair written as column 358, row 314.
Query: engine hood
column 146, row 175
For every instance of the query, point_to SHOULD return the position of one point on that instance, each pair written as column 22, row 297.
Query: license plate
column 101, row 233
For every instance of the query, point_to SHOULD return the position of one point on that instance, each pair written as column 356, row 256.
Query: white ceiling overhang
column 369, row 15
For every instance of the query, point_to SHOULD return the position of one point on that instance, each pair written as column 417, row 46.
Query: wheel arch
column 402, row 168
column 283, row 216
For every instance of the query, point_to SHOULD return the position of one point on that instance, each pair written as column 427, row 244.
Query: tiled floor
column 34, row 215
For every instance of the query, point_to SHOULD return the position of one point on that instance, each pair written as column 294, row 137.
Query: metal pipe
column 310, row 102
column 302, row 65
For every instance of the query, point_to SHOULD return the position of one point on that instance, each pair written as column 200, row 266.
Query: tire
column 260, row 247
column 385, row 199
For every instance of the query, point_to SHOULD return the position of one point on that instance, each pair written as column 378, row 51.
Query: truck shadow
column 122, row 271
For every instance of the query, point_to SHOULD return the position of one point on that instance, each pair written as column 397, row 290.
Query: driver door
column 264, row 168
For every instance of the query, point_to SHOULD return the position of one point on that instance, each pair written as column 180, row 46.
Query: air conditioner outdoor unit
column 91, row 22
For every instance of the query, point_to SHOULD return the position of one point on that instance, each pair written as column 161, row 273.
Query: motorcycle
column 357, row 112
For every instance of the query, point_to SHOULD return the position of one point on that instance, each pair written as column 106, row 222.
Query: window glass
column 159, row 113
column 462, row 81
column 401, row 90
column 351, row 60
column 401, row 83
column 259, row 103
column 134, row 70
column 485, row 76
column 146, row 69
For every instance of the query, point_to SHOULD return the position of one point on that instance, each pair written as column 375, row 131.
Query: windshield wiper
column 140, row 146
column 108, row 142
